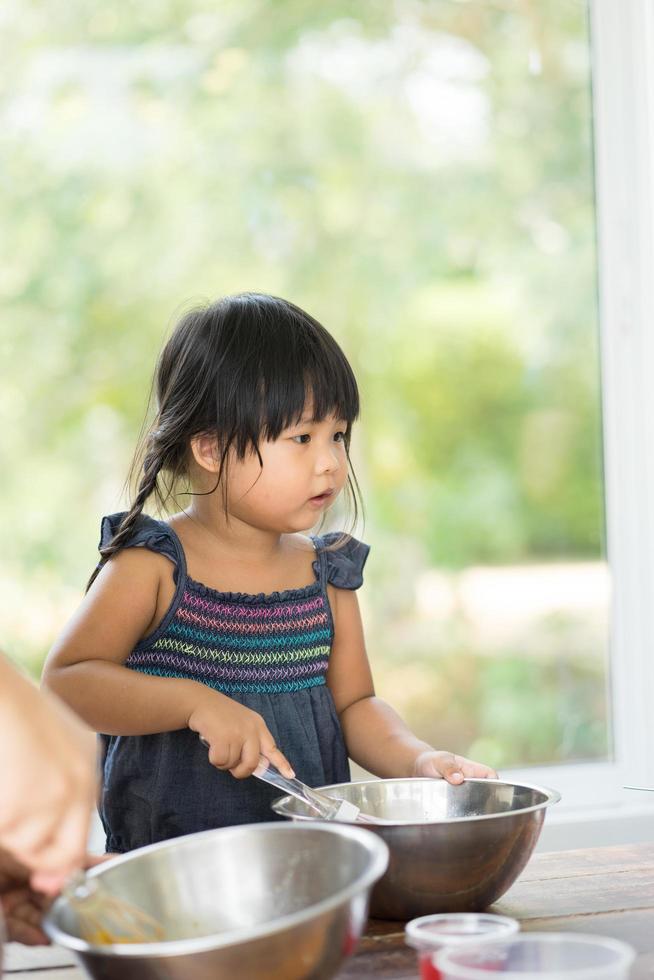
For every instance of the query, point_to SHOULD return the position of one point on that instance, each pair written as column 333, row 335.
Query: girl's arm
column 86, row 668
column 375, row 735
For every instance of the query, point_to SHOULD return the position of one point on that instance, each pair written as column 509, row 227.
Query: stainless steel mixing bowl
column 272, row 900
column 454, row 848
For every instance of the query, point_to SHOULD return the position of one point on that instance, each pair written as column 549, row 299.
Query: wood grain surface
column 608, row 891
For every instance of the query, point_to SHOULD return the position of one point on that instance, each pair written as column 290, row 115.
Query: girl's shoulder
column 146, row 532
column 340, row 559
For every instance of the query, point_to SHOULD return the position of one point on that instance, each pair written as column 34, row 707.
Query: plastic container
column 430, row 933
column 540, row 956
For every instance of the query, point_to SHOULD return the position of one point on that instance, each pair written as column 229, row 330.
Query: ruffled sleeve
column 146, row 533
column 342, row 567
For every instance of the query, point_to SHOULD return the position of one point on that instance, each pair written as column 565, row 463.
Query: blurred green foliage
column 418, row 175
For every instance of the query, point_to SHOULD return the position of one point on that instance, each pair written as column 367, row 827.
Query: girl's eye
column 339, row 437
column 303, row 439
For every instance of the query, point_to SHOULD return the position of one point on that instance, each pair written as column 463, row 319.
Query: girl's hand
column 453, row 768
column 235, row 735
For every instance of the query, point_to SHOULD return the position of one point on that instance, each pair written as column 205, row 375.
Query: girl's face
column 304, row 470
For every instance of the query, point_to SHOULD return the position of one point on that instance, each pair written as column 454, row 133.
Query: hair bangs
column 294, row 366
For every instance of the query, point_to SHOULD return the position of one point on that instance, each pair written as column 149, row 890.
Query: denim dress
column 267, row 652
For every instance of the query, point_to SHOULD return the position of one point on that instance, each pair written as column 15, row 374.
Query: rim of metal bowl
column 375, row 847
column 551, row 796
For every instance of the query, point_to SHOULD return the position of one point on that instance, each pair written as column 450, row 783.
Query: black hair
column 240, row 368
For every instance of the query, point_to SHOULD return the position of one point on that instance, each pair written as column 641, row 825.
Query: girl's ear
column 205, row 452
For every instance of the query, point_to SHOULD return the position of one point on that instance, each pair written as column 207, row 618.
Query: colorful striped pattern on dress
column 242, row 644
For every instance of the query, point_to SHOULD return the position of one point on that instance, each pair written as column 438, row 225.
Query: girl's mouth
column 322, row 498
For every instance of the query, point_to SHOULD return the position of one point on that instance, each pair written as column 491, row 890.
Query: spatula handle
column 324, row 806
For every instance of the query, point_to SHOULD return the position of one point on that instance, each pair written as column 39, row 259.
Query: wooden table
column 604, row 890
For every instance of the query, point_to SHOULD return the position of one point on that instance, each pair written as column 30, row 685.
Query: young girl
column 225, row 622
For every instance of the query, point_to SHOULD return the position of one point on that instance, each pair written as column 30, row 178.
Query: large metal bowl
column 269, row 900
column 453, row 848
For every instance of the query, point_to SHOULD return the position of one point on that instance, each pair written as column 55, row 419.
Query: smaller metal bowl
column 266, row 901
column 453, row 848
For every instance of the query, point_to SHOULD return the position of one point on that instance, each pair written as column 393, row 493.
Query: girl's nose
column 328, row 461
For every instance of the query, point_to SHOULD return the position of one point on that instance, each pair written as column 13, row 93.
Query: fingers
column 453, row 768
column 23, row 915
column 477, row 770
column 11, row 870
column 69, row 847
column 48, row 882
column 248, row 761
column 273, row 754
column 242, row 759
column 51, row 883
column 237, row 748
column 27, row 840
column 26, row 933
column 53, row 854
column 23, row 911
column 225, row 755
column 449, row 767
column 439, row 765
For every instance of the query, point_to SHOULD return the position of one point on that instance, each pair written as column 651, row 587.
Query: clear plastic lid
column 430, row 932
column 540, row 956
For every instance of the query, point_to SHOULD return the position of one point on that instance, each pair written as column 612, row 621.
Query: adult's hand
column 48, row 766
column 22, row 906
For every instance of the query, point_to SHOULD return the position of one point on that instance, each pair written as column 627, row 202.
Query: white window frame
column 595, row 808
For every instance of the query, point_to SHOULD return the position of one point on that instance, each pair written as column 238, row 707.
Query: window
column 420, row 176
column 488, row 607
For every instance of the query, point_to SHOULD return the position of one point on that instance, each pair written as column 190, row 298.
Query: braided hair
column 240, row 368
